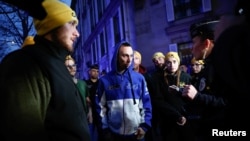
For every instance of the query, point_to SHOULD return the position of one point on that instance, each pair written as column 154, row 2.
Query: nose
column 76, row 33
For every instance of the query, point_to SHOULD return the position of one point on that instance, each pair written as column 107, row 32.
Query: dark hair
column 95, row 66
column 125, row 44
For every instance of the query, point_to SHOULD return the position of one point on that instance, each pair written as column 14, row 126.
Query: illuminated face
column 172, row 64
column 94, row 73
column 71, row 66
column 197, row 67
column 137, row 61
column 125, row 57
column 159, row 61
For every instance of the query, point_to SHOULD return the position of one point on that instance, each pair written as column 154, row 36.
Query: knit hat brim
column 174, row 55
column 157, row 55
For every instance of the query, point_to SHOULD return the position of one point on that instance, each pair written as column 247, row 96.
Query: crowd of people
column 42, row 98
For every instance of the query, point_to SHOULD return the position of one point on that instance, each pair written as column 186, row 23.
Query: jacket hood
column 114, row 63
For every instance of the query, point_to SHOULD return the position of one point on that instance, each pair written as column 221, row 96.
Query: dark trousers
column 109, row 136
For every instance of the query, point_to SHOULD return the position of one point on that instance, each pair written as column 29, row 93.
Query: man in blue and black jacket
column 123, row 101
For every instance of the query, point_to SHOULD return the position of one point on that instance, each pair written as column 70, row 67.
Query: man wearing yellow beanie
column 157, row 54
column 137, row 63
column 39, row 100
column 158, row 59
column 58, row 15
column 197, row 74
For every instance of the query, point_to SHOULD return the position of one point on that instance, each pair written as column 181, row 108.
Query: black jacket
column 230, row 58
column 39, row 100
column 169, row 105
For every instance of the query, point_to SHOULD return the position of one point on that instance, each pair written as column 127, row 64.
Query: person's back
column 230, row 58
column 39, row 100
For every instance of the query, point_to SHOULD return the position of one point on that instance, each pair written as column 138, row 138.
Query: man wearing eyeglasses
column 81, row 85
column 197, row 74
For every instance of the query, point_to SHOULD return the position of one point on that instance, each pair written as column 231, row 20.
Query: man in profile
column 39, row 99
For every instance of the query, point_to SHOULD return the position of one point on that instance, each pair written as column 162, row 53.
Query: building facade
column 149, row 25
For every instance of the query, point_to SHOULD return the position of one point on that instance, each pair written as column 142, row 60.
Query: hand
column 89, row 116
column 88, row 101
column 181, row 121
column 140, row 133
column 189, row 91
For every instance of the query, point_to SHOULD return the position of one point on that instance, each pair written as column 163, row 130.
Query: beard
column 60, row 40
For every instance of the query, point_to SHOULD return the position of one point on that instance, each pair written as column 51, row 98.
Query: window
column 139, row 4
column 102, row 44
column 116, row 27
column 184, row 50
column 179, row 9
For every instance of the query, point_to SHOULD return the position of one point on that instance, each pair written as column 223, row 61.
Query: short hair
column 95, row 66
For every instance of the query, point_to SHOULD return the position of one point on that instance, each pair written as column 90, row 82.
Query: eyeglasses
column 71, row 66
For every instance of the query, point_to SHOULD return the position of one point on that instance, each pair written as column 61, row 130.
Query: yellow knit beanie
column 29, row 40
column 58, row 14
column 201, row 62
column 158, row 54
column 138, row 54
column 172, row 54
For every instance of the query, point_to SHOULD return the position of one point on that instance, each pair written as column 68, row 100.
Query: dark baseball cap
column 204, row 29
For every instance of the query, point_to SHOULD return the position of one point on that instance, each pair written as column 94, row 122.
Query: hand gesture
column 140, row 133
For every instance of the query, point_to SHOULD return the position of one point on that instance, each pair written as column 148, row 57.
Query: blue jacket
column 123, row 101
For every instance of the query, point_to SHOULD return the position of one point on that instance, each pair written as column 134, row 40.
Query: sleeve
column 210, row 100
column 158, row 100
column 101, row 107
column 25, row 95
column 84, row 92
column 146, row 111
column 86, row 88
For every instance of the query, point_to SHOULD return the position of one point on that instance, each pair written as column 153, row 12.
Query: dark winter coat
column 39, row 100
